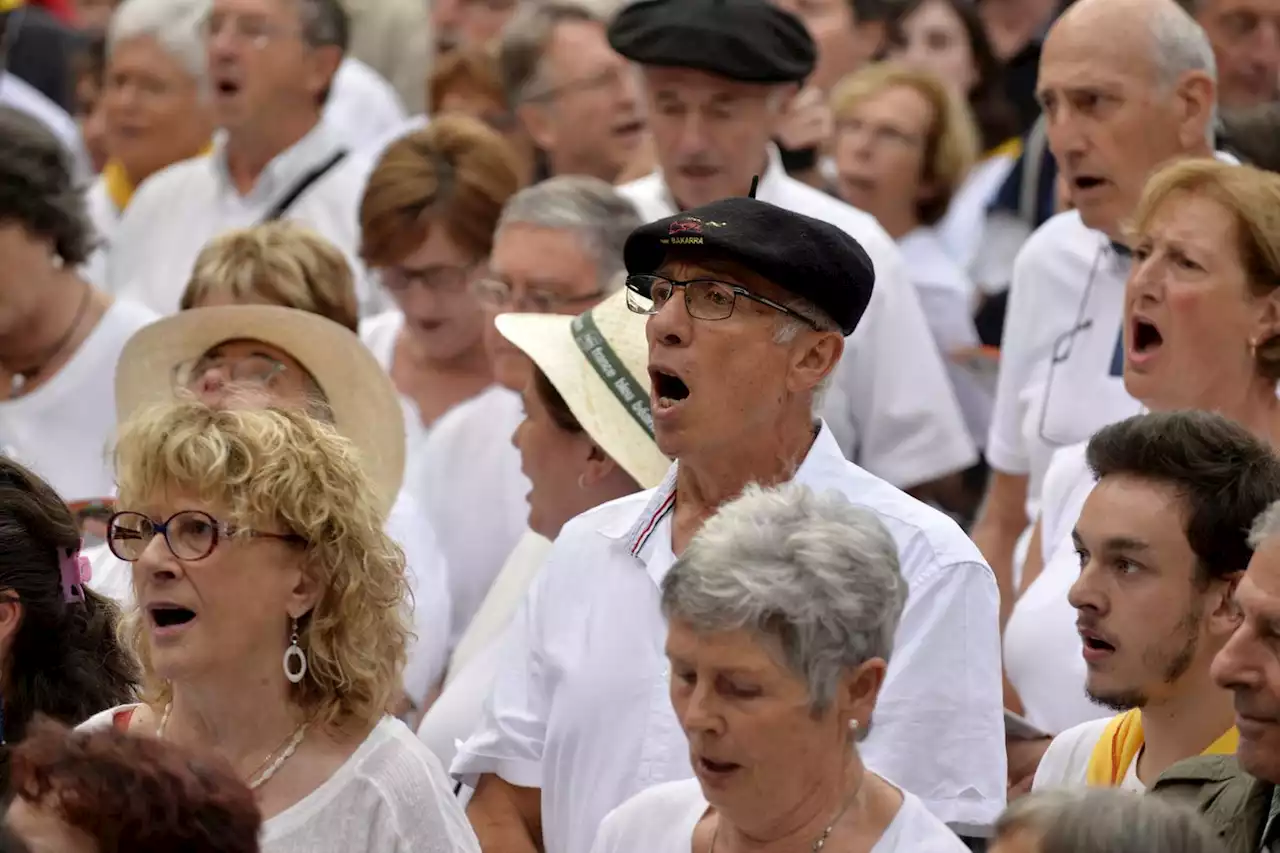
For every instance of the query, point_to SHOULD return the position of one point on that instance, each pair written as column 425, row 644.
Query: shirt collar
column 286, row 168
column 823, row 454
column 1272, row 827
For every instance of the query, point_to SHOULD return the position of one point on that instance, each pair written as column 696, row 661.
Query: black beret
column 808, row 257
column 749, row 40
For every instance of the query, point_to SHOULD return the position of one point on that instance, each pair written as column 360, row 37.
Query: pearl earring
column 295, row 660
column 853, row 727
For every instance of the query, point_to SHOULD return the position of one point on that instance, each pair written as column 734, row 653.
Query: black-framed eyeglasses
column 251, row 370
column 190, row 534
column 497, row 294
column 704, row 298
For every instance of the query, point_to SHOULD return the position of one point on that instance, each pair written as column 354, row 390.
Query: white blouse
column 662, row 820
column 391, row 796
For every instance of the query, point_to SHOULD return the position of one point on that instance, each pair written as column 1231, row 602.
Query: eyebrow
column 1113, row 543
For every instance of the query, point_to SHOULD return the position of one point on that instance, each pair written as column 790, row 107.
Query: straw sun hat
column 366, row 408
column 599, row 362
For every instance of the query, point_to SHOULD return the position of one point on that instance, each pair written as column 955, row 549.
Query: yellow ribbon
column 120, row 187
column 1121, row 742
column 1011, row 148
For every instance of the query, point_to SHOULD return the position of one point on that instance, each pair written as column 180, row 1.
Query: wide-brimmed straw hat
column 599, row 362
column 365, row 406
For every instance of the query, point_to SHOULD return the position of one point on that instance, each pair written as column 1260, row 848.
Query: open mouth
column 629, row 128
column 1093, row 642
column 227, row 88
column 1145, row 337
column 668, row 388
column 170, row 615
column 1087, row 182
column 716, row 767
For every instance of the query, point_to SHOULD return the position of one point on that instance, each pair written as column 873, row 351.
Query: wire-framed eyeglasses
column 190, row 534
column 704, row 298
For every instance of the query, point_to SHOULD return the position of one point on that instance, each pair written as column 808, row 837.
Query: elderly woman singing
column 271, row 625
column 782, row 617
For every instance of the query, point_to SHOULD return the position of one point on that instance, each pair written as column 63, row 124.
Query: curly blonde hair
column 281, row 469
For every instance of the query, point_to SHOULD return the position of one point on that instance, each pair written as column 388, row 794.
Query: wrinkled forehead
column 1120, row 57
column 686, row 267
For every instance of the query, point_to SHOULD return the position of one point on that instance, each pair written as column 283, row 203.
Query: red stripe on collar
column 653, row 522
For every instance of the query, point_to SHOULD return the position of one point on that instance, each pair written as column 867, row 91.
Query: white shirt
column 581, row 707
column 176, row 211
column 426, row 573
column 467, row 475
column 948, row 299
column 890, row 404
column 21, row 95
column 962, row 228
column 362, row 106
column 379, row 335
column 478, row 655
column 662, row 819
column 390, row 796
column 63, row 429
column 1066, row 761
column 1043, row 655
column 1058, row 381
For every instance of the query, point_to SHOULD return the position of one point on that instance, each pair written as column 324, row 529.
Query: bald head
column 1126, row 85
column 1158, row 33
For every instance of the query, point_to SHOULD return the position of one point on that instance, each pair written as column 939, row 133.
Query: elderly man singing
column 750, row 305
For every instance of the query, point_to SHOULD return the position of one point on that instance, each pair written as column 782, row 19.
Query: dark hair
column 1225, row 475
column 10, row 843
column 872, row 11
column 556, row 406
column 1253, row 134
column 66, row 661
column 325, row 23
column 37, row 187
column 997, row 120
column 139, row 794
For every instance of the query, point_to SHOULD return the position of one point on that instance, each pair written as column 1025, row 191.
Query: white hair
column 1179, row 46
column 1265, row 526
column 587, row 206
column 176, row 25
column 814, row 572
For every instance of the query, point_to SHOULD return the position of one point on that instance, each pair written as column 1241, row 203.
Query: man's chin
column 1116, row 698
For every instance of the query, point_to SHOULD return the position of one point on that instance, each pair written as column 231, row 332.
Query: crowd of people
column 614, row 426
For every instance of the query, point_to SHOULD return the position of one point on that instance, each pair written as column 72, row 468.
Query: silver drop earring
column 295, row 660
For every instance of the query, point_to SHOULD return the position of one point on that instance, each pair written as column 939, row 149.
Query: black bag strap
column 305, row 183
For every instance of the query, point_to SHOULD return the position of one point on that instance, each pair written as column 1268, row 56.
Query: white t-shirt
column 963, row 227
column 662, row 819
column 467, row 475
column 1066, row 761
column 22, row 96
column 948, row 299
column 63, row 429
column 176, row 211
column 362, row 105
column 428, row 579
column 391, row 796
column 890, row 404
column 1042, row 650
column 379, row 334
column 478, row 655
column 1059, row 381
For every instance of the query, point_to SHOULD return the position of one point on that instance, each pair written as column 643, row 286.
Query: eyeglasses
column 497, row 294
column 190, row 534
column 705, row 299
column 251, row 370
column 445, row 280
column 256, row 32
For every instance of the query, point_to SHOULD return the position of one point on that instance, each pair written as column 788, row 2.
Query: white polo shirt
column 890, row 404
column 1059, row 377
column 582, row 710
column 179, row 209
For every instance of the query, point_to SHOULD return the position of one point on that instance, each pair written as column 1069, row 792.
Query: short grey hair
column 1265, row 526
column 1106, row 820
column 590, row 207
column 812, row 571
column 524, row 42
column 177, row 26
column 1180, row 46
column 325, row 23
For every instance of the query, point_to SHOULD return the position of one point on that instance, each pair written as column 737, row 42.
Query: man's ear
column 816, row 356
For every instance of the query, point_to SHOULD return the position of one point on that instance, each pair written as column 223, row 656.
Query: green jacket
column 1234, row 804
